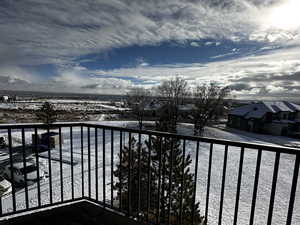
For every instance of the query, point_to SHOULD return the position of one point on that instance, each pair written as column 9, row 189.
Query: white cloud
column 195, row 44
column 57, row 32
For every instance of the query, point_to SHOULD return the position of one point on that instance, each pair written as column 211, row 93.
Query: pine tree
column 175, row 169
column 170, row 173
column 47, row 113
column 137, row 154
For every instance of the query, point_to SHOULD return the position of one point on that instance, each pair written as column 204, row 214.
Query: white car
column 5, row 186
column 19, row 173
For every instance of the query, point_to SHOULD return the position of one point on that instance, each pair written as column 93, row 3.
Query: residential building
column 276, row 118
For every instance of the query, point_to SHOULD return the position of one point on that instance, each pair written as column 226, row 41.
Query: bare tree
column 137, row 99
column 208, row 100
column 174, row 91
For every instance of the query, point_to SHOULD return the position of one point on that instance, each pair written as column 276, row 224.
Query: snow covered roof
column 276, row 107
column 258, row 110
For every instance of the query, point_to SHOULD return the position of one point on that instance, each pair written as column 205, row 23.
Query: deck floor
column 80, row 213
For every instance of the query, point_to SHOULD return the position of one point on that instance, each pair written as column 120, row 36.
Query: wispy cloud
column 35, row 32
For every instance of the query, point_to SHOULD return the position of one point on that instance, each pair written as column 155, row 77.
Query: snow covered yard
column 264, row 187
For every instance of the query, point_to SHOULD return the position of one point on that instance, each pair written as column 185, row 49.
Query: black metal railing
column 85, row 161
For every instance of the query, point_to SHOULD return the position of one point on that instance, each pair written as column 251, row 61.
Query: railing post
column 11, row 170
column 72, row 161
column 237, row 198
column 112, row 167
column 208, row 181
column 293, row 190
column 258, row 161
column 139, row 176
column 195, row 183
column 82, row 162
column 129, row 176
column 103, row 160
column 96, row 163
column 159, row 179
column 120, row 175
column 182, row 182
column 49, row 166
column 149, row 177
column 38, row 166
column 223, row 184
column 274, row 182
column 61, row 167
column 24, row 165
column 170, row 181
column 89, row 161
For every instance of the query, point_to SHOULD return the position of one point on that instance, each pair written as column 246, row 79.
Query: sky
column 108, row 47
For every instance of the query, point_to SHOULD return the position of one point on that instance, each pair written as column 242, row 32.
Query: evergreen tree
column 136, row 154
column 47, row 113
column 171, row 178
column 175, row 170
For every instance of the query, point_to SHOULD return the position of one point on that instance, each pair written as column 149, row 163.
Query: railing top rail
column 265, row 147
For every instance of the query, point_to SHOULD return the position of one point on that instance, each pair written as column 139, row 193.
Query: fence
column 153, row 177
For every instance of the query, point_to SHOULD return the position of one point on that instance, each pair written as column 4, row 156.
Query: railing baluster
column 38, row 166
column 159, row 179
column 223, row 184
column 149, row 178
column 103, row 160
column 72, row 161
column 293, row 190
column 274, row 183
column 237, row 198
column 61, row 167
column 164, row 170
column 182, row 182
column 120, row 175
column 49, row 166
column 12, row 170
column 82, row 162
column 89, row 161
column 195, row 183
column 1, row 210
column 96, row 163
column 258, row 162
column 170, row 181
column 139, row 177
column 24, row 165
column 208, row 181
column 129, row 175
column 112, row 167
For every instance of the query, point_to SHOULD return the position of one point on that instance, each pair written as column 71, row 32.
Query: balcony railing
column 233, row 182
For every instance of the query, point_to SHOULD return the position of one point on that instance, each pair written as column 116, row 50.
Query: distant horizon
column 92, row 96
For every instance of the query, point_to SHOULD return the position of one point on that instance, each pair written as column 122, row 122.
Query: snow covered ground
column 68, row 105
column 265, row 180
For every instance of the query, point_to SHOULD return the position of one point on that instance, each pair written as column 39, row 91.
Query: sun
column 285, row 16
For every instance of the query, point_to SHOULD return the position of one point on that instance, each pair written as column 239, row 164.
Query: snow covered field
column 67, row 105
column 265, row 180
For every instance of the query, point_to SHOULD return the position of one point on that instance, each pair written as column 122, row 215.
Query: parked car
column 19, row 173
column 5, row 186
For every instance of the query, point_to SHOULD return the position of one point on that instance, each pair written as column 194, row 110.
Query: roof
column 258, row 110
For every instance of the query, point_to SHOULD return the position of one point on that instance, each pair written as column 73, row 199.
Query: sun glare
column 285, row 16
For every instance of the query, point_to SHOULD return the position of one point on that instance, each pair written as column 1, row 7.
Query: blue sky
column 108, row 47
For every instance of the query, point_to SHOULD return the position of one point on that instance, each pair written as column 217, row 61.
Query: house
column 4, row 98
column 276, row 118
